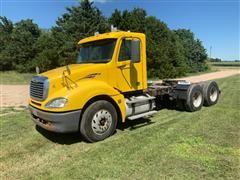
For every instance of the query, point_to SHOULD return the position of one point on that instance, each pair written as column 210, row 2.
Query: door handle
column 122, row 66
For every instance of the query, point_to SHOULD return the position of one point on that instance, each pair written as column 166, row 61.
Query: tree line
column 170, row 53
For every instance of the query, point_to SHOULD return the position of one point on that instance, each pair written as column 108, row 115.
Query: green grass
column 226, row 64
column 172, row 145
column 12, row 77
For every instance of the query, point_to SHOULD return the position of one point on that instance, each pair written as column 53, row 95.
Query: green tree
column 6, row 28
column 46, row 52
column 169, row 53
column 164, row 53
column 129, row 20
column 25, row 34
column 79, row 22
column 194, row 52
column 19, row 50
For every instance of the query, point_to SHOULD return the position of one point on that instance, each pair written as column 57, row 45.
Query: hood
column 78, row 71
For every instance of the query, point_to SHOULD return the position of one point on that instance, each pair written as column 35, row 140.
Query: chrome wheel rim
column 101, row 121
column 213, row 94
column 197, row 99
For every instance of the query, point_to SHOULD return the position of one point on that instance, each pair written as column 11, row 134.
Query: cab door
column 129, row 65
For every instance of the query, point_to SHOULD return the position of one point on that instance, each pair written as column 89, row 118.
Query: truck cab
column 106, row 85
column 110, row 68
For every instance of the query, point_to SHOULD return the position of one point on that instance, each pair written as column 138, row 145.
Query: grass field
column 12, row 77
column 226, row 64
column 170, row 145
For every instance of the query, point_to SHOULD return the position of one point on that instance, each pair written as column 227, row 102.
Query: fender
column 90, row 88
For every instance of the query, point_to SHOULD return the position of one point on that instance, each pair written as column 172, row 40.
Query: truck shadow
column 134, row 124
column 60, row 138
column 171, row 105
column 72, row 138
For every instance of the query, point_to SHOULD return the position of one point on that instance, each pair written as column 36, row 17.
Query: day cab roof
column 111, row 35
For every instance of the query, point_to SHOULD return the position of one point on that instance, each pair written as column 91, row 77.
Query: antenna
column 68, row 69
column 210, row 52
column 37, row 70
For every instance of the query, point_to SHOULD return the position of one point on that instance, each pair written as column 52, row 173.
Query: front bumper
column 57, row 122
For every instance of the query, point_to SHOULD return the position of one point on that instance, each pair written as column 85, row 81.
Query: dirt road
column 14, row 95
column 17, row 95
column 215, row 75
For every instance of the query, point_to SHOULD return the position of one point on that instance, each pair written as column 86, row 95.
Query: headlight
column 56, row 103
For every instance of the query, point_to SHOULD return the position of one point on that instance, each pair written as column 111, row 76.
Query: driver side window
column 125, row 50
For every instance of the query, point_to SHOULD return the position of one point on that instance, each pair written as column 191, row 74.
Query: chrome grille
column 39, row 88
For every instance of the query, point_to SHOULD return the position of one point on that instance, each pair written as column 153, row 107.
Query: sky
column 215, row 22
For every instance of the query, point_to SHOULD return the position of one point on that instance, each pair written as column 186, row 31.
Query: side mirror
column 135, row 50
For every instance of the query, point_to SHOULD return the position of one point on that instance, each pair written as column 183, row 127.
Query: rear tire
column 211, row 93
column 194, row 100
column 99, row 121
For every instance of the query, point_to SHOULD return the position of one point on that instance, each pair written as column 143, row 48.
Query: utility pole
column 210, row 54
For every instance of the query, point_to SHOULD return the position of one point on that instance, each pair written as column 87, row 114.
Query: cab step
column 137, row 116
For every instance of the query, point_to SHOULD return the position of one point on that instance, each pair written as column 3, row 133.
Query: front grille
column 39, row 88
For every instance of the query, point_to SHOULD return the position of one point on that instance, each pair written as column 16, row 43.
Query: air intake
column 39, row 88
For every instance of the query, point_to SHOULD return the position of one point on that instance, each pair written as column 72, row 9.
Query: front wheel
column 99, row 121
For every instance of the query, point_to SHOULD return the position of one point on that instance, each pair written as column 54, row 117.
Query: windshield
column 97, row 52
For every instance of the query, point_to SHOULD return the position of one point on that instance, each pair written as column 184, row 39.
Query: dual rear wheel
column 211, row 92
column 198, row 95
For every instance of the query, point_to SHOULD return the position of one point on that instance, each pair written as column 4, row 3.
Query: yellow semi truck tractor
column 107, row 85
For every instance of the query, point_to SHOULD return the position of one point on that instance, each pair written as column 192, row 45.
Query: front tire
column 99, row 121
